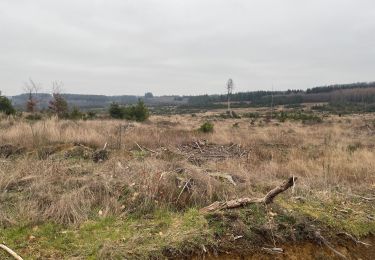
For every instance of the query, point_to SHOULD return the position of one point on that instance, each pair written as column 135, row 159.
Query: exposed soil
column 304, row 250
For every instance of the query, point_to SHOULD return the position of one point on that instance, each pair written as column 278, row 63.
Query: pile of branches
column 198, row 152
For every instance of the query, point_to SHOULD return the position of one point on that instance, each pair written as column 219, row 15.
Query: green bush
column 89, row 115
column 76, row 114
column 207, row 127
column 298, row 116
column 59, row 106
column 6, row 106
column 283, row 116
column 115, row 111
column 138, row 112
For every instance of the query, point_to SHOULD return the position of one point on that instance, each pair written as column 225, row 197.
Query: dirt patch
column 302, row 250
column 199, row 152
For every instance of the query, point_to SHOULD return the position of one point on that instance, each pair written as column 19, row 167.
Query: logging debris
column 199, row 152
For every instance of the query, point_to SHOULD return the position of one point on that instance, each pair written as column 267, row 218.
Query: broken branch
column 140, row 148
column 276, row 191
column 321, row 239
column 355, row 240
column 270, row 196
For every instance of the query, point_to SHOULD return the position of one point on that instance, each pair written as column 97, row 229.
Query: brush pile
column 198, row 152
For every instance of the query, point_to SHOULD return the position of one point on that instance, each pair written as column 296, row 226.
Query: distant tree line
column 356, row 92
column 74, row 100
column 325, row 89
column 63, row 104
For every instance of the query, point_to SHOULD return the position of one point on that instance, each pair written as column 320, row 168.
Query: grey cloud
column 185, row 47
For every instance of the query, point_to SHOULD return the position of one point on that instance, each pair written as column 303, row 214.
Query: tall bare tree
column 230, row 86
column 272, row 103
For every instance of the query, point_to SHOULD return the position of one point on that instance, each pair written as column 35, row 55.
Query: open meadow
column 113, row 189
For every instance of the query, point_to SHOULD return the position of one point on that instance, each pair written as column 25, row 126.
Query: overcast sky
column 118, row 47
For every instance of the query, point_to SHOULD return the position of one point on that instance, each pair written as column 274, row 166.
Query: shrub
column 58, row 105
column 235, row 115
column 282, row 117
column 75, row 114
column 207, row 127
column 138, row 112
column 149, row 95
column 6, row 106
column 115, row 111
column 89, row 115
column 298, row 116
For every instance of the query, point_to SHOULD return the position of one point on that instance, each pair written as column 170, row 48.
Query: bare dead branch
column 140, row 148
column 222, row 205
column 276, row 191
column 321, row 239
column 355, row 240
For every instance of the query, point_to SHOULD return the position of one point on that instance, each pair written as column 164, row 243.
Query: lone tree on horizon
column 58, row 104
column 32, row 89
column 230, row 86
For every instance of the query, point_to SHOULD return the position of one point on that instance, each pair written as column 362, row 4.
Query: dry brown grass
column 337, row 155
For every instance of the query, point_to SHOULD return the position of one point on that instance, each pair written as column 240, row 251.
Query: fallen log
column 270, row 196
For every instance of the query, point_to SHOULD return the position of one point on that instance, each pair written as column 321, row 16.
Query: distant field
column 63, row 195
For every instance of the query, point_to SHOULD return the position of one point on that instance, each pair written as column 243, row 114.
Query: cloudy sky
column 118, row 47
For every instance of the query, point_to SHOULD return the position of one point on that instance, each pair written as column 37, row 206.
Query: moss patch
column 341, row 215
column 158, row 234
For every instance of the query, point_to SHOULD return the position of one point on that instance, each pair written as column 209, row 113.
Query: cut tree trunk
column 241, row 202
